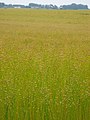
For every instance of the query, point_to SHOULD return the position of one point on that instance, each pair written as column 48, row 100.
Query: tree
column 2, row 5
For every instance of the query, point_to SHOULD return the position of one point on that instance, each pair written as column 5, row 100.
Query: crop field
column 44, row 64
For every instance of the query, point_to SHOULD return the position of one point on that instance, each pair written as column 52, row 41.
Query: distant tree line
column 73, row 6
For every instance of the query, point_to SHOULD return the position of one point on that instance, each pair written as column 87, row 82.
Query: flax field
column 44, row 64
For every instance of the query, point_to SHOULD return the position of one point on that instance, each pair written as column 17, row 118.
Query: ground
column 45, row 62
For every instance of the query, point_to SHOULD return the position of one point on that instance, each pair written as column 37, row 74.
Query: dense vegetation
column 44, row 58
column 51, row 6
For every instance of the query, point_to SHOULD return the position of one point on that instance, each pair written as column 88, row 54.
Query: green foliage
column 44, row 64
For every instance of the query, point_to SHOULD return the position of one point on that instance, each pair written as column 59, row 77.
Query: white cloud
column 57, row 2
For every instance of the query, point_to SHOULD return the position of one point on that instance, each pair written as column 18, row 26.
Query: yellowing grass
column 44, row 64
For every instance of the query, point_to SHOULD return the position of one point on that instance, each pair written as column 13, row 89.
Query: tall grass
column 44, row 64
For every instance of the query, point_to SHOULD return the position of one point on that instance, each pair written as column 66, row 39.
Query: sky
column 55, row 2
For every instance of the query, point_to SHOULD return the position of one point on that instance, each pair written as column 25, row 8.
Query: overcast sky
column 56, row 2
